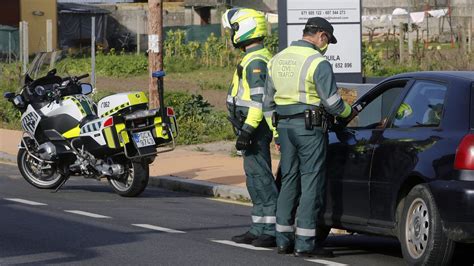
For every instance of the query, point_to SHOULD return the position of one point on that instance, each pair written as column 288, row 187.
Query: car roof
column 468, row 75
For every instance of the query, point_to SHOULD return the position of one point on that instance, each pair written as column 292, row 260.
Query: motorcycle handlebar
column 82, row 76
column 77, row 78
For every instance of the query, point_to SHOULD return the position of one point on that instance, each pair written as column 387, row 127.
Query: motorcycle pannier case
column 134, row 128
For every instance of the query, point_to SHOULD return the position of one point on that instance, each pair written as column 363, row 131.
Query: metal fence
column 9, row 43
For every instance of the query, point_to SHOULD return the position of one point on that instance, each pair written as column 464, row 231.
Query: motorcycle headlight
column 40, row 90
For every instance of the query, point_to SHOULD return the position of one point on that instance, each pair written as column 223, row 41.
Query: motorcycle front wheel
column 133, row 182
column 37, row 173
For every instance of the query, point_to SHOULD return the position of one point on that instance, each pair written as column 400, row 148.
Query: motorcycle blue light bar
column 158, row 74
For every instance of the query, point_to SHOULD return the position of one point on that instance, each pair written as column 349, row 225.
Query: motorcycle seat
column 87, row 119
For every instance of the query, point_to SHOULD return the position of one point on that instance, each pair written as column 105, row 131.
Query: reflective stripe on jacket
column 244, row 97
column 293, row 70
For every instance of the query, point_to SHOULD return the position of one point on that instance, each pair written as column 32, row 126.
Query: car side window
column 422, row 106
column 377, row 110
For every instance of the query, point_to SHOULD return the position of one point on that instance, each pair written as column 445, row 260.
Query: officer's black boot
column 264, row 240
column 318, row 252
column 285, row 249
column 246, row 238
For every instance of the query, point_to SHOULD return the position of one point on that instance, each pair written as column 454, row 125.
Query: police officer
column 244, row 101
column 300, row 84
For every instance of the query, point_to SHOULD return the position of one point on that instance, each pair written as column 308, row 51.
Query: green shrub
column 111, row 64
column 371, row 62
column 271, row 43
column 197, row 121
column 182, row 56
column 9, row 82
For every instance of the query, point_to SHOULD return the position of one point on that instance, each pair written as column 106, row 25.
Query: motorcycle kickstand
column 60, row 185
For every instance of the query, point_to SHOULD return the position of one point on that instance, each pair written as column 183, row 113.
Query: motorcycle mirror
column 9, row 95
column 86, row 88
column 52, row 72
column 28, row 79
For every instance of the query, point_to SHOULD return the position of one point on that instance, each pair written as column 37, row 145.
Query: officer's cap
column 323, row 24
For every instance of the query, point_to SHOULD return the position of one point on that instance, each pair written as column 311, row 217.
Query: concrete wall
column 374, row 7
column 462, row 15
column 459, row 8
column 130, row 19
column 44, row 9
column 262, row 5
column 122, row 21
column 126, row 16
column 192, row 17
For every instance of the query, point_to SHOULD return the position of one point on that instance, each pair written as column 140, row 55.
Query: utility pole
column 155, row 47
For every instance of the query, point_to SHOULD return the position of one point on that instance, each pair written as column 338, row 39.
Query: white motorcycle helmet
column 245, row 25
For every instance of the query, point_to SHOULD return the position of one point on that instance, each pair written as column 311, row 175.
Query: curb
column 7, row 157
column 200, row 187
column 182, row 184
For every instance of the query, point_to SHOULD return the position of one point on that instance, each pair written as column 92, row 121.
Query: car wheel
column 420, row 230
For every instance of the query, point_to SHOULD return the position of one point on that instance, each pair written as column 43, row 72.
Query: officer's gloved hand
column 345, row 121
column 243, row 141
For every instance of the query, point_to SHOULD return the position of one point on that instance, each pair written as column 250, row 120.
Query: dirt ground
column 224, row 148
column 195, row 82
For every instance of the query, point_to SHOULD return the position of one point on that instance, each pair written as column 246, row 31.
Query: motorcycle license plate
column 143, row 139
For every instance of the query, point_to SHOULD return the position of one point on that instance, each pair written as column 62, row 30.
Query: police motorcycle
column 66, row 134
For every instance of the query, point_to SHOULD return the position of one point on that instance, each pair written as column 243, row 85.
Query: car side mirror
column 86, row 88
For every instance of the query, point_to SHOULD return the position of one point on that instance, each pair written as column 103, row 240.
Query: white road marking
column 39, row 258
column 231, row 201
column 326, row 262
column 232, row 243
column 88, row 214
column 29, row 202
column 158, row 228
column 7, row 162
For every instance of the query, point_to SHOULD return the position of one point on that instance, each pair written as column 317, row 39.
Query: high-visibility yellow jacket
column 300, row 78
column 245, row 96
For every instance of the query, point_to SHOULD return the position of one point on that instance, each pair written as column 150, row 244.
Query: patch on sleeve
column 256, row 70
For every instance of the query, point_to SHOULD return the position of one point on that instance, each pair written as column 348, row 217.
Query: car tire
column 420, row 230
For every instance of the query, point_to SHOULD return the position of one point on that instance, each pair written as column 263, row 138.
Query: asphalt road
column 86, row 223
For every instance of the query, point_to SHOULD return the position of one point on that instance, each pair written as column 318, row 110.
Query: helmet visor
column 227, row 18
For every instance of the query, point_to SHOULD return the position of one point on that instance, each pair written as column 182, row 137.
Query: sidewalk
column 201, row 172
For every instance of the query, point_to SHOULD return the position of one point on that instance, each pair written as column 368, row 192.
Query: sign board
column 335, row 11
column 153, row 43
column 344, row 56
column 344, row 15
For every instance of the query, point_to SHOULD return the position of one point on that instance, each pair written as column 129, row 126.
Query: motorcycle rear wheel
column 133, row 182
column 44, row 176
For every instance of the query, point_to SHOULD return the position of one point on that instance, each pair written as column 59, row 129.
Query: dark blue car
column 404, row 166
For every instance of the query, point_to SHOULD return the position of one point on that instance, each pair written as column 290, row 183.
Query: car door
column 350, row 153
column 413, row 130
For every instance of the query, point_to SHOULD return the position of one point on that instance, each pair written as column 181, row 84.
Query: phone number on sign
column 322, row 12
